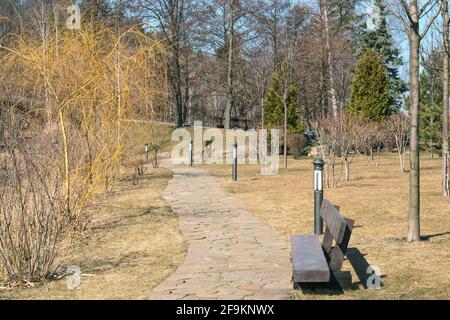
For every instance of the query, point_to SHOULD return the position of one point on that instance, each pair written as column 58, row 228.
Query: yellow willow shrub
column 79, row 86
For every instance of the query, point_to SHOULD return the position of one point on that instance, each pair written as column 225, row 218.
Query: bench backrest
column 338, row 230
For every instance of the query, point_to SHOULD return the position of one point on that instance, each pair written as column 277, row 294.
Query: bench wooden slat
column 308, row 260
column 338, row 253
column 334, row 221
column 327, row 242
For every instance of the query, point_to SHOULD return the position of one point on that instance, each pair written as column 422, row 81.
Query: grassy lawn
column 377, row 198
column 133, row 245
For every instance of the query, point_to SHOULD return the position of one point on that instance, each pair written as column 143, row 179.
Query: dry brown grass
column 134, row 244
column 377, row 198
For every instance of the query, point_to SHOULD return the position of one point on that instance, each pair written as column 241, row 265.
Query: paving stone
column 231, row 254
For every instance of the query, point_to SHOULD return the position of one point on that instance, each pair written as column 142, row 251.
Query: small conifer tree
column 369, row 98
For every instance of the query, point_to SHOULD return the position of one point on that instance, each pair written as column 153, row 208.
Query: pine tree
column 431, row 95
column 294, row 123
column 370, row 90
column 380, row 40
column 430, row 127
column 273, row 107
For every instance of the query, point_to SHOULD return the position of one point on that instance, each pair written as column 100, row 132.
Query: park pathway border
column 231, row 254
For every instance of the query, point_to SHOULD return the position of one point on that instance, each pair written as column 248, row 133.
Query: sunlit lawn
column 134, row 243
column 377, row 198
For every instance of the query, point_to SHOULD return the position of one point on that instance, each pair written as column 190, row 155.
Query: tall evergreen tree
column 378, row 38
column 294, row 123
column 370, row 89
column 273, row 107
column 430, row 127
column 431, row 95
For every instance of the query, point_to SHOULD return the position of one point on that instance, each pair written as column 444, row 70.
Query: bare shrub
column 159, row 139
column 157, row 136
column 339, row 141
column 349, row 141
column 33, row 215
column 64, row 98
column 296, row 143
column 398, row 131
column 327, row 133
column 372, row 136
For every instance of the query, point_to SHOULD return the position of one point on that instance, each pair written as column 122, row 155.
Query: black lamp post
column 318, row 195
column 235, row 162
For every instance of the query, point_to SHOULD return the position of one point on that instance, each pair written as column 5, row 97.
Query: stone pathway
column 231, row 253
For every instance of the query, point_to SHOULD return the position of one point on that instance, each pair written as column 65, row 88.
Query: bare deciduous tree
column 170, row 17
column 411, row 13
column 371, row 136
column 338, row 138
column 398, row 128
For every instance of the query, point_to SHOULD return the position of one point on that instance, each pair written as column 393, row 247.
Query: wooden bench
column 313, row 261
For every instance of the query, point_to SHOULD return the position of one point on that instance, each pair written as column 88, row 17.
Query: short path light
column 235, row 161
column 191, row 153
column 146, row 152
column 318, row 195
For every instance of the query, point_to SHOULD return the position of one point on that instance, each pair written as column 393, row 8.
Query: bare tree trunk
column 285, row 91
column 55, row 20
column 177, row 87
column 322, row 90
column 119, row 86
column 262, row 112
column 118, row 94
column 402, row 158
column 324, row 13
column 347, row 169
column 333, row 179
column 409, row 15
column 187, row 105
column 414, row 192
column 44, row 35
column 230, row 100
column 445, row 107
column 66, row 159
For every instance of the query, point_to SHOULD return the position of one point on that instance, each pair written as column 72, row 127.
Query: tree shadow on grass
column 104, row 265
column 428, row 237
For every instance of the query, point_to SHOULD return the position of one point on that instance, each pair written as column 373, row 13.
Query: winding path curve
column 231, row 253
